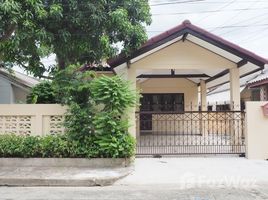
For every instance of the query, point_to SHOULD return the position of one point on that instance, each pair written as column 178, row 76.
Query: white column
column 131, row 74
column 203, row 92
column 234, row 89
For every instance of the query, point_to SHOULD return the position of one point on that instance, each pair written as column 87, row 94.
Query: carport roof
column 185, row 29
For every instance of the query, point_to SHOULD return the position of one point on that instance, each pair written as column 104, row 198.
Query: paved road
column 168, row 179
column 159, row 192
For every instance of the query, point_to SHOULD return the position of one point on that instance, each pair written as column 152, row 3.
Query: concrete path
column 61, row 176
column 196, row 172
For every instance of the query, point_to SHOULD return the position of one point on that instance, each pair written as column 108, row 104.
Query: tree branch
column 8, row 33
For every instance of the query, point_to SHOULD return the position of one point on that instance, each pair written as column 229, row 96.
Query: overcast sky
column 243, row 22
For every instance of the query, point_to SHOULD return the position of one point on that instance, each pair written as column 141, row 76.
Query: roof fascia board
column 173, row 76
column 241, row 76
column 17, row 83
column 154, row 50
column 226, row 48
column 148, row 48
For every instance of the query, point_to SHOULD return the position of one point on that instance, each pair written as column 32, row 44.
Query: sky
column 243, row 22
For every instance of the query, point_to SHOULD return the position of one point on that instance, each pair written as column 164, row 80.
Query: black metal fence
column 190, row 132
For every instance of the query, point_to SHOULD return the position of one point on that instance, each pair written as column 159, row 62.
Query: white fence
column 33, row 119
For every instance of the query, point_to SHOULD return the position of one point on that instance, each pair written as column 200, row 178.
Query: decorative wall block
column 56, row 124
column 16, row 124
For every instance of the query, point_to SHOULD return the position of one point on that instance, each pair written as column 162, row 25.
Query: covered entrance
column 174, row 71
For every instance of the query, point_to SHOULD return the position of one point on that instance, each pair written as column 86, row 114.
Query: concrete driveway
column 196, row 172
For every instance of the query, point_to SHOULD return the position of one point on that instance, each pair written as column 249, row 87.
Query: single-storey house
column 14, row 87
column 174, row 72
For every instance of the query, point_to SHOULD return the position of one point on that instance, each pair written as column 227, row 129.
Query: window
column 255, row 94
column 162, row 102
column 223, row 107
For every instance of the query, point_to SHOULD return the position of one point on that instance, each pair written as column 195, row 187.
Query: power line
column 215, row 2
column 236, row 15
column 222, row 7
column 177, row 2
column 246, row 20
column 209, row 11
column 230, row 26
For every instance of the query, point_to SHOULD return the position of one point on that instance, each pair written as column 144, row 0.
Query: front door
column 151, row 103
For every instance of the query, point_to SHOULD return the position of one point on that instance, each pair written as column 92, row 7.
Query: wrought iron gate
column 190, row 132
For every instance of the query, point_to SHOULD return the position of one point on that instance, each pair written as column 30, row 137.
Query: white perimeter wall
column 256, row 131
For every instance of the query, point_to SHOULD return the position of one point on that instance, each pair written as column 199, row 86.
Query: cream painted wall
column 33, row 119
column 183, row 55
column 173, row 85
column 256, row 131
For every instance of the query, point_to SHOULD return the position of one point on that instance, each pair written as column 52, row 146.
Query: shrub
column 60, row 146
column 42, row 93
column 115, row 146
column 111, row 123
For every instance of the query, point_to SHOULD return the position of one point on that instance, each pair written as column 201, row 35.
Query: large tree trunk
column 61, row 63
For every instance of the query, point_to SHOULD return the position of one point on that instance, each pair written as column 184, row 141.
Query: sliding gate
column 193, row 132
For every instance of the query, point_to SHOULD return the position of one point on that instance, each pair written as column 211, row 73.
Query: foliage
column 76, row 31
column 114, row 93
column 97, row 106
column 116, row 96
column 96, row 123
column 111, row 124
column 23, row 38
column 57, row 146
column 73, row 88
column 115, row 145
column 42, row 93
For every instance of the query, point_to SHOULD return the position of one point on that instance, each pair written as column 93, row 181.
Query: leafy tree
column 76, row 31
column 42, row 93
column 73, row 88
column 23, row 41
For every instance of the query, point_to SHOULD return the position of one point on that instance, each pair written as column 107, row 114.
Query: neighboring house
column 174, row 71
column 14, row 87
column 253, row 87
column 259, row 86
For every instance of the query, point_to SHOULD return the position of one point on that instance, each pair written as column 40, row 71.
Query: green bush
column 42, row 93
column 61, row 146
column 96, row 122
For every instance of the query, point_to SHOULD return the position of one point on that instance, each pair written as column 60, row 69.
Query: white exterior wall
column 256, row 131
